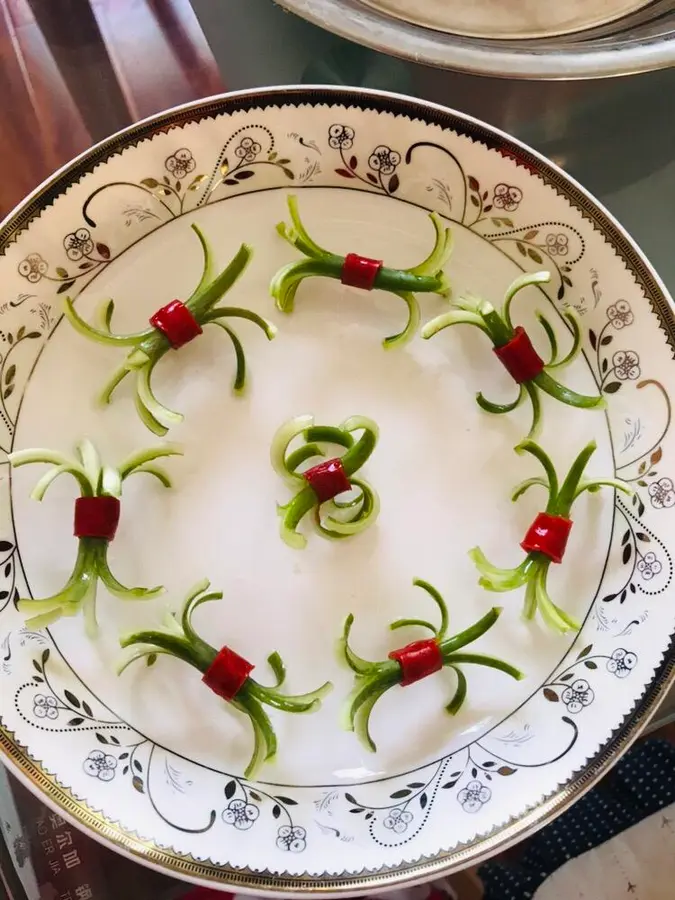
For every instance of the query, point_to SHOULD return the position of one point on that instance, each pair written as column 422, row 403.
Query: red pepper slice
column 417, row 660
column 360, row 271
column 519, row 357
column 227, row 673
column 96, row 517
column 548, row 535
column 327, row 479
column 176, row 323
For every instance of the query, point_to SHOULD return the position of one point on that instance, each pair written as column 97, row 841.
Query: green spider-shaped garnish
column 172, row 327
column 97, row 512
column 514, row 349
column 546, row 539
column 225, row 672
column 362, row 272
column 319, row 486
column 413, row 662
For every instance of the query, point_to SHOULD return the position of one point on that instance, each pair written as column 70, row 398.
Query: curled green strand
column 179, row 638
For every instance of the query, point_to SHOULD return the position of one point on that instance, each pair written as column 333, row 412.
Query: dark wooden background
column 74, row 71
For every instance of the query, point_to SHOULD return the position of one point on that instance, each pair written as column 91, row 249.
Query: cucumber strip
column 356, row 663
column 292, row 703
column 148, row 419
column 368, row 513
column 91, row 461
column 362, row 720
column 524, row 486
column 470, row 634
column 500, row 579
column 139, row 653
column 293, row 514
column 566, row 395
column 101, row 337
column 237, row 312
column 297, row 457
column 116, row 588
column 596, row 483
column 207, row 264
column 105, row 397
column 240, row 357
column 454, row 317
column 280, row 444
column 575, row 325
column 301, row 231
column 276, row 664
column 552, row 340
column 111, row 482
column 440, row 603
column 460, row 692
column 137, row 460
column 523, row 281
column 285, row 283
column 568, row 491
column 481, row 660
column 533, row 394
column 49, row 477
column 411, row 326
column 157, row 410
column 358, row 454
column 201, row 302
column 329, row 434
column 530, row 603
column 500, row 408
column 529, row 446
column 409, row 623
column 159, row 473
column 440, row 252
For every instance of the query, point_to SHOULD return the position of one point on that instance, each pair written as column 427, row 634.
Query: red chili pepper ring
column 360, row 271
column 327, row 479
column 176, row 323
column 96, row 517
column 519, row 357
column 417, row 660
column 548, row 535
column 227, row 673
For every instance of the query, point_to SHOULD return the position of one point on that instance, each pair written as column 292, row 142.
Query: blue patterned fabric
column 642, row 783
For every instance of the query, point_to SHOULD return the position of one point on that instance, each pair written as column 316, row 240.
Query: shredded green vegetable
column 91, row 565
column 147, row 347
column 373, row 679
column 500, row 329
column 427, row 277
column 179, row 638
column 339, row 517
column 533, row 571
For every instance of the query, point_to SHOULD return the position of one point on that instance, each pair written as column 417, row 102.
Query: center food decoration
column 225, row 672
column 327, row 486
column 319, row 486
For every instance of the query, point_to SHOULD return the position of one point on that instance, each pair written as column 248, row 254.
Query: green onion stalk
column 150, row 345
column 427, row 277
column 178, row 638
column 337, row 514
column 498, row 326
column 533, row 571
column 414, row 662
column 94, row 480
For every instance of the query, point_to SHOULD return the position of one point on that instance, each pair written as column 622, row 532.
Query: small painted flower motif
column 649, row 566
column 578, row 695
column 240, row 814
column 180, row 163
column 45, row 707
column 557, row 244
column 626, row 365
column 507, row 197
column 384, row 160
column 474, row 796
column 620, row 314
column 33, row 267
column 340, row 137
column 621, row 662
column 248, row 149
column 100, row 765
column 662, row 493
column 398, row 820
column 78, row 244
column 292, row 838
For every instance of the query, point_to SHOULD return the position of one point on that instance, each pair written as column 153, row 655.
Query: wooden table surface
column 73, row 72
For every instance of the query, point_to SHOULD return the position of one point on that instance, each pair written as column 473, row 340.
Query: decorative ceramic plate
column 514, row 20
column 153, row 763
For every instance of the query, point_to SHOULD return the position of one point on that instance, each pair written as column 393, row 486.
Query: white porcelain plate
column 151, row 761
